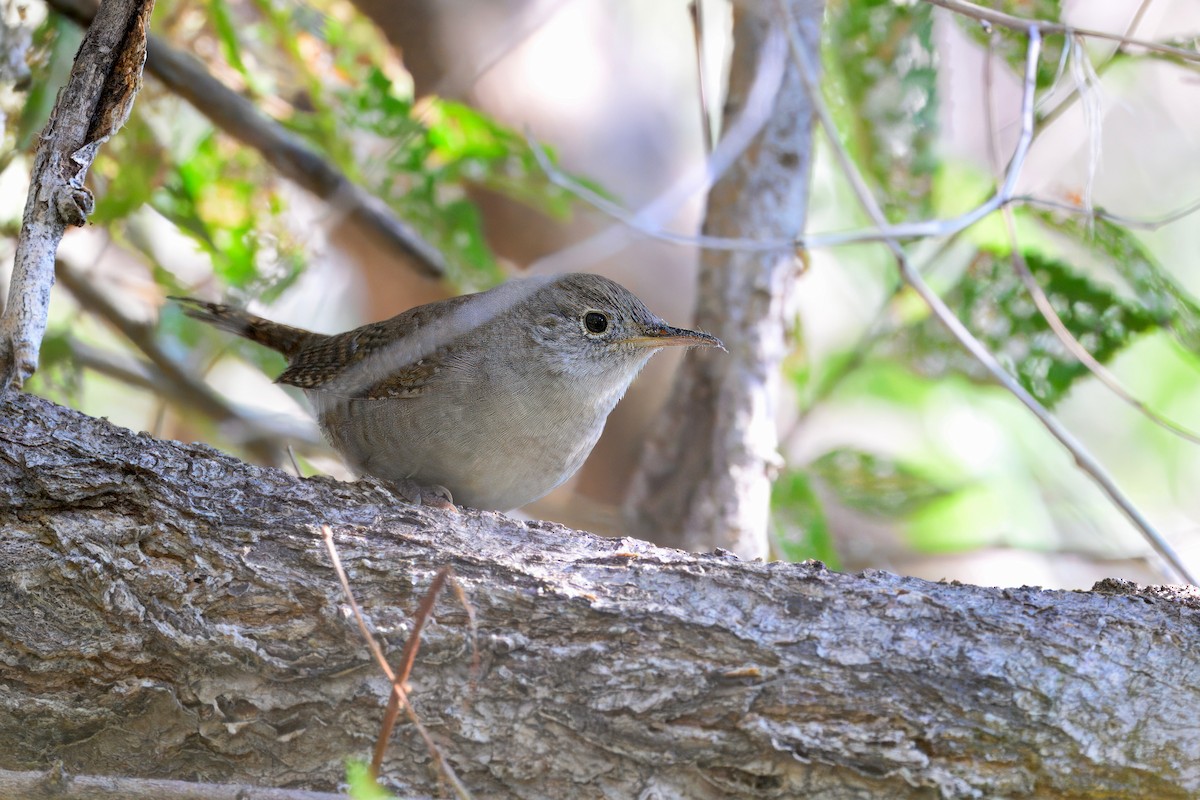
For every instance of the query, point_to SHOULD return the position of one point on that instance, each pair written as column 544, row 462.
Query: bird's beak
column 667, row 336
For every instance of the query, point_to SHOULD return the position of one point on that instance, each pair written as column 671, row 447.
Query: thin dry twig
column 94, row 104
column 1024, row 24
column 398, row 688
column 407, row 656
column 1040, row 300
column 946, row 316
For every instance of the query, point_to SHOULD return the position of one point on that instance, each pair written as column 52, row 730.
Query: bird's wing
column 394, row 358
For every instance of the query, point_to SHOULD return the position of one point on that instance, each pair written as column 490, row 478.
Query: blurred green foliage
column 881, row 80
column 903, row 370
column 995, row 304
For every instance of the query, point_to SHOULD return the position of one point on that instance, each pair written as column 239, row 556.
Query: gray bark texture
column 167, row 611
column 95, row 103
column 705, row 477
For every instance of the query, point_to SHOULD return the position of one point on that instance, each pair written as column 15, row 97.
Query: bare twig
column 942, row 312
column 1044, row 306
column 663, row 208
column 56, row 784
column 1074, row 346
column 1142, row 8
column 398, row 688
column 407, row 656
column 1044, row 27
column 92, row 106
column 696, row 12
column 293, row 159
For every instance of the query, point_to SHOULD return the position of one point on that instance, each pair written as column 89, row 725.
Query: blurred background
column 897, row 453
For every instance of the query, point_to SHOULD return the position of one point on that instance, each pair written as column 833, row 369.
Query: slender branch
column 92, row 106
column 292, row 158
column 1024, row 24
column 946, row 316
column 56, row 784
column 398, row 688
column 1074, row 346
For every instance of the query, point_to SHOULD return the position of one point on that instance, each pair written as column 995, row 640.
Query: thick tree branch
column 169, row 612
column 92, row 106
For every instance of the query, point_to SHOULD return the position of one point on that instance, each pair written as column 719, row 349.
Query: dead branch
column 92, row 106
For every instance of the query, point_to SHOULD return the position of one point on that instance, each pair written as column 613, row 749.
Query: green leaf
column 222, row 20
column 1163, row 299
column 882, row 83
column 801, row 530
column 218, row 198
column 994, row 304
column 876, row 484
column 127, row 171
column 362, row 785
column 438, row 152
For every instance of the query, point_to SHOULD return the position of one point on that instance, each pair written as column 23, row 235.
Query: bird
column 487, row 400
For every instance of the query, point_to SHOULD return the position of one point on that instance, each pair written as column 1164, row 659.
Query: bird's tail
column 282, row 338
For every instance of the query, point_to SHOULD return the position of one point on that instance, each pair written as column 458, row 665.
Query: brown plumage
column 494, row 397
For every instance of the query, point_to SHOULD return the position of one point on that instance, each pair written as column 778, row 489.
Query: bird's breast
column 496, row 437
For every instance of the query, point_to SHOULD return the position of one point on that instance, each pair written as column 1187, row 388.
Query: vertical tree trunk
column 705, row 477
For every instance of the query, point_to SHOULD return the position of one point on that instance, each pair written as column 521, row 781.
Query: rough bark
column 94, row 104
column 169, row 612
column 705, row 477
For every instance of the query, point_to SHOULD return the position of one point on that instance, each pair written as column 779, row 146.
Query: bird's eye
column 595, row 322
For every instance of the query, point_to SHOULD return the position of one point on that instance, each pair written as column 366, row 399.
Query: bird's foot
column 411, row 491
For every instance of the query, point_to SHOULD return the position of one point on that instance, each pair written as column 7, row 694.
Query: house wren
column 489, row 400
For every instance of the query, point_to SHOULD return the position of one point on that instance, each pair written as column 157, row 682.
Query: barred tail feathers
column 281, row 338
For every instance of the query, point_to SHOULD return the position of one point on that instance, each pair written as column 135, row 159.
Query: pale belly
column 490, row 453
